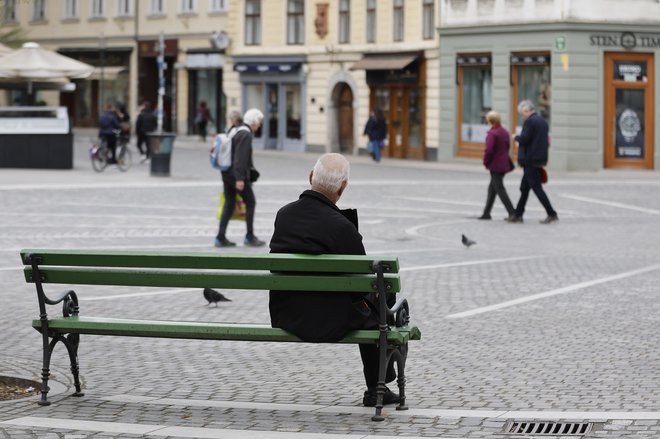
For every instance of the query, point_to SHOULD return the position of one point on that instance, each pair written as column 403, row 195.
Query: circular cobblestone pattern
column 16, row 388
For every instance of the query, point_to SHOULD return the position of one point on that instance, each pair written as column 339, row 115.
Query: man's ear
column 341, row 188
column 310, row 176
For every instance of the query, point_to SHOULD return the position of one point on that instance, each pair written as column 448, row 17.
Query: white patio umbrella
column 34, row 63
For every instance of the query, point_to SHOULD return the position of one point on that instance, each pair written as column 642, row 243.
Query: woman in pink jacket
column 497, row 161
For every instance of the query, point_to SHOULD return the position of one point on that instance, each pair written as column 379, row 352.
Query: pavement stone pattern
column 592, row 349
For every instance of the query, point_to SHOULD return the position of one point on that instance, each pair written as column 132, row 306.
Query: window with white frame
column 38, row 10
column 187, row 6
column 252, row 22
column 428, row 19
column 397, row 30
column 157, row 7
column 295, row 22
column 9, row 13
column 71, row 9
column 218, row 5
column 344, row 21
column 97, row 8
column 124, row 8
column 371, row 21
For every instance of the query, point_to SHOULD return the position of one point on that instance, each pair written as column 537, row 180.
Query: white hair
column 525, row 105
column 330, row 171
column 253, row 116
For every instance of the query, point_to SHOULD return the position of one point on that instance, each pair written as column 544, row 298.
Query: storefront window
column 252, row 22
column 477, row 99
column 295, row 22
column 415, row 119
column 254, row 99
column 293, row 111
column 533, row 83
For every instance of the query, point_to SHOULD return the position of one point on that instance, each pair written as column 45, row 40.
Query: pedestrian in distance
column 533, row 144
column 146, row 123
column 124, row 124
column 202, row 118
column 315, row 225
column 108, row 124
column 376, row 130
column 239, row 178
column 497, row 161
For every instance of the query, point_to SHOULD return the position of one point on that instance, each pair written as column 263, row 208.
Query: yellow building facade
column 316, row 68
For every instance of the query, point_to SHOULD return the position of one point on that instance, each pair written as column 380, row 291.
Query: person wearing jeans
column 376, row 129
column 237, row 180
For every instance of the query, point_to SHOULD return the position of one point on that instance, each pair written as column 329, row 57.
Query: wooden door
column 629, row 110
column 345, row 115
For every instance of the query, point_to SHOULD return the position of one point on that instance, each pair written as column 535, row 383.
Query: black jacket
column 533, row 142
column 376, row 129
column 146, row 122
column 314, row 225
column 241, row 155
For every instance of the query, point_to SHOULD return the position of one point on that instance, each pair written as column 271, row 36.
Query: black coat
column 314, row 225
column 376, row 129
column 146, row 122
column 241, row 155
column 533, row 142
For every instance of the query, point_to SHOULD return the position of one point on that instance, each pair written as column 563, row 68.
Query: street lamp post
column 161, row 80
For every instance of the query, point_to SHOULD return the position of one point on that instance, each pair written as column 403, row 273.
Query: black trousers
column 142, row 140
column 532, row 180
column 111, row 143
column 496, row 187
column 230, row 191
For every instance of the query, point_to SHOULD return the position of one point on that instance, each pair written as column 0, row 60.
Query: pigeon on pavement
column 467, row 242
column 213, row 296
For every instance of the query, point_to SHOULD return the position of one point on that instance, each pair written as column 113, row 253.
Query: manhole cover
column 544, row 428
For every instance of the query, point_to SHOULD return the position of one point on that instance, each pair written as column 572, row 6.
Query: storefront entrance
column 403, row 110
column 629, row 111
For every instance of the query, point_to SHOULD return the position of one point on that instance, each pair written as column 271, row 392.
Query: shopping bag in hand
column 239, row 209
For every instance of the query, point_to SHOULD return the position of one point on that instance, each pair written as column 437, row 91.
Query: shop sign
column 560, row 43
column 626, row 40
column 630, row 71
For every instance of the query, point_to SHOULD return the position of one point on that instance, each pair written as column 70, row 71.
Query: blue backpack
column 221, row 155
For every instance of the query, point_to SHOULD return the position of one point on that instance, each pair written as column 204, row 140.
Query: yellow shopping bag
column 239, row 209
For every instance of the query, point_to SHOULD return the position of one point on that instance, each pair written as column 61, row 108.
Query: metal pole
column 161, row 80
column 101, row 82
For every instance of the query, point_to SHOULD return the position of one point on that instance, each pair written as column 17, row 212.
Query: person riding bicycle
column 108, row 125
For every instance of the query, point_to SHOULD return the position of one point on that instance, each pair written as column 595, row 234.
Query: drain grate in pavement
column 543, row 428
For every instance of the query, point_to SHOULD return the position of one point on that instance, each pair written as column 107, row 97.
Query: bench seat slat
column 194, row 279
column 277, row 262
column 206, row 330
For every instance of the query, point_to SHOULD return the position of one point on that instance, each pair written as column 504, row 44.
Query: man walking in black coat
column 532, row 156
column 146, row 123
column 314, row 225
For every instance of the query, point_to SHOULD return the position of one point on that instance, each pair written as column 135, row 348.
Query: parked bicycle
column 101, row 156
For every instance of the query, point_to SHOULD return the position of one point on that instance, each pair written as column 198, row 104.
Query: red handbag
column 544, row 175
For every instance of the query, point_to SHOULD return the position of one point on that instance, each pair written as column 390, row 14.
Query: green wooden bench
column 286, row 272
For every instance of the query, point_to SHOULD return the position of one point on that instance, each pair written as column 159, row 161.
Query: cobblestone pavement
column 555, row 322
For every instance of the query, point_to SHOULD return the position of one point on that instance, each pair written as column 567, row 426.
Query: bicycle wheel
column 124, row 158
column 98, row 155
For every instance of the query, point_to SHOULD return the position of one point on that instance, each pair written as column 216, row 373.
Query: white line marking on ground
column 389, row 411
column 564, row 290
column 467, row 263
column 611, row 204
column 175, row 431
column 145, row 294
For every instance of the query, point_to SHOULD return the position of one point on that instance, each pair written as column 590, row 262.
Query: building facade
column 121, row 39
column 317, row 69
column 589, row 67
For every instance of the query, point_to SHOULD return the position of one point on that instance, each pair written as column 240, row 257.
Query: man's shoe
column 371, row 396
column 224, row 242
column 515, row 219
column 254, row 242
column 484, row 217
column 550, row 219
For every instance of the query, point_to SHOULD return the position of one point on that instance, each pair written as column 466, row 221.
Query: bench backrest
column 288, row 272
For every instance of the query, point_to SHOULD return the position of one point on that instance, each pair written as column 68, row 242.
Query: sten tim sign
column 627, row 40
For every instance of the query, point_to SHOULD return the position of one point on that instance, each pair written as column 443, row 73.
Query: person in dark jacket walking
column 376, row 129
column 202, row 118
column 532, row 156
column 108, row 124
column 497, row 161
column 314, row 225
column 146, row 123
column 237, row 180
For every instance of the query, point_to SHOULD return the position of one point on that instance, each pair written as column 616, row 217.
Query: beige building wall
column 328, row 62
